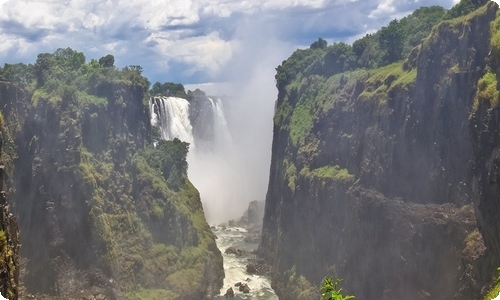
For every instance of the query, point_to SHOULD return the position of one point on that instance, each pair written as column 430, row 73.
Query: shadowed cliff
column 371, row 174
column 100, row 209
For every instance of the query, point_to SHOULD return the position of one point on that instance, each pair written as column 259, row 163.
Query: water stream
column 235, row 267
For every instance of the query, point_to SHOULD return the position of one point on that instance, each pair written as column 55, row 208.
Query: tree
column 107, row 61
column 319, row 44
column 464, row 7
column 339, row 58
column 391, row 40
column 359, row 46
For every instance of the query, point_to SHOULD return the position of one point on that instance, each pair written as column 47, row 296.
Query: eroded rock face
column 91, row 218
column 379, row 190
column 9, row 241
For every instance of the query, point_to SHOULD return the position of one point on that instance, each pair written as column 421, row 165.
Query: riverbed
column 235, row 266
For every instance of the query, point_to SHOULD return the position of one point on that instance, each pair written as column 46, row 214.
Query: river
column 235, row 267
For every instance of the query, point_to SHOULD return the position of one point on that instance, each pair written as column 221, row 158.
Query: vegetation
column 388, row 45
column 371, row 75
column 495, row 290
column 58, row 75
column 463, row 8
column 296, row 287
column 331, row 291
column 142, row 215
column 487, row 91
column 168, row 89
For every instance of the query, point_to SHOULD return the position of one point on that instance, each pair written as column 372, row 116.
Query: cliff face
column 484, row 126
column 9, row 233
column 371, row 173
column 95, row 214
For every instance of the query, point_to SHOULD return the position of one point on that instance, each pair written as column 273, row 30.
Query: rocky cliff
column 100, row 210
column 371, row 175
column 9, row 232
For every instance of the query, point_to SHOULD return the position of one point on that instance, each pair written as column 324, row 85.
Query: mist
column 232, row 176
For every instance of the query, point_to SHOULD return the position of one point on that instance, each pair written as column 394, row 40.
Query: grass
column 327, row 172
column 486, row 91
column 290, row 174
column 301, row 122
column 151, row 294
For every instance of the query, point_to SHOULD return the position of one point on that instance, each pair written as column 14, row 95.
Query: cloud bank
column 186, row 41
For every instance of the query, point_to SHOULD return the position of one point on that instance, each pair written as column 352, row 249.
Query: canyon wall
column 372, row 173
column 100, row 210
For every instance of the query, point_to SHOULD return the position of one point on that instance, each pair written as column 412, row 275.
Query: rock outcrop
column 94, row 213
column 9, row 237
column 371, row 174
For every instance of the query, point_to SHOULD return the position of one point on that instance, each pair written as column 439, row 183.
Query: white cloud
column 201, row 35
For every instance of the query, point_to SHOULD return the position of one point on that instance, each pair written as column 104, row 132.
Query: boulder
column 235, row 251
column 229, row 293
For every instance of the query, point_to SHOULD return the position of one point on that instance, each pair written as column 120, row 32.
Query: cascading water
column 214, row 170
column 222, row 138
column 171, row 116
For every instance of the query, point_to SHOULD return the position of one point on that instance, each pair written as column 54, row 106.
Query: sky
column 189, row 41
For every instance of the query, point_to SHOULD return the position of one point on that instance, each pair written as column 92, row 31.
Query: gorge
column 384, row 172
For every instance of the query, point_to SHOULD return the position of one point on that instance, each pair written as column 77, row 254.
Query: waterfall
column 214, row 163
column 222, row 138
column 171, row 116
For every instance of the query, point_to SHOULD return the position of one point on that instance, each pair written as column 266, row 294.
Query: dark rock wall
column 92, row 216
column 9, row 239
column 398, row 226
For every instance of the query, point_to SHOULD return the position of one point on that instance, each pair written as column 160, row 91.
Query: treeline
column 390, row 44
column 65, row 73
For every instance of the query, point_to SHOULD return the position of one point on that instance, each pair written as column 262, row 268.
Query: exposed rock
column 244, row 288
column 378, row 189
column 235, row 251
column 229, row 293
column 89, row 215
column 9, row 241
column 258, row 266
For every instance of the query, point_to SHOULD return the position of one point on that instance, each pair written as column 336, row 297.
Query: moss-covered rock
column 371, row 171
column 96, row 213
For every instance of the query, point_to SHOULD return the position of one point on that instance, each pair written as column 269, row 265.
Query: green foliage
column 463, row 8
column 339, row 58
column 8, row 259
column 495, row 289
column 328, row 172
column 390, row 44
column 391, row 39
column 301, row 122
column 168, row 89
column 331, row 291
column 19, row 72
column 146, row 220
column 296, row 287
column 107, row 61
column 495, row 41
column 169, row 159
column 486, row 91
column 151, row 294
column 290, row 173
column 319, row 44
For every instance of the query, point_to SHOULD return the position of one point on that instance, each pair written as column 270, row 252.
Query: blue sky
column 189, row 41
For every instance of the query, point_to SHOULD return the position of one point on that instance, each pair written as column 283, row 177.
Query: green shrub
column 331, row 291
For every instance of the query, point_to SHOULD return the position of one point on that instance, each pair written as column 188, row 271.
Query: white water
column 216, row 174
column 235, row 267
column 171, row 115
column 222, row 138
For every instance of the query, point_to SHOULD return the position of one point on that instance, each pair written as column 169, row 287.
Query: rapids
column 235, row 267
